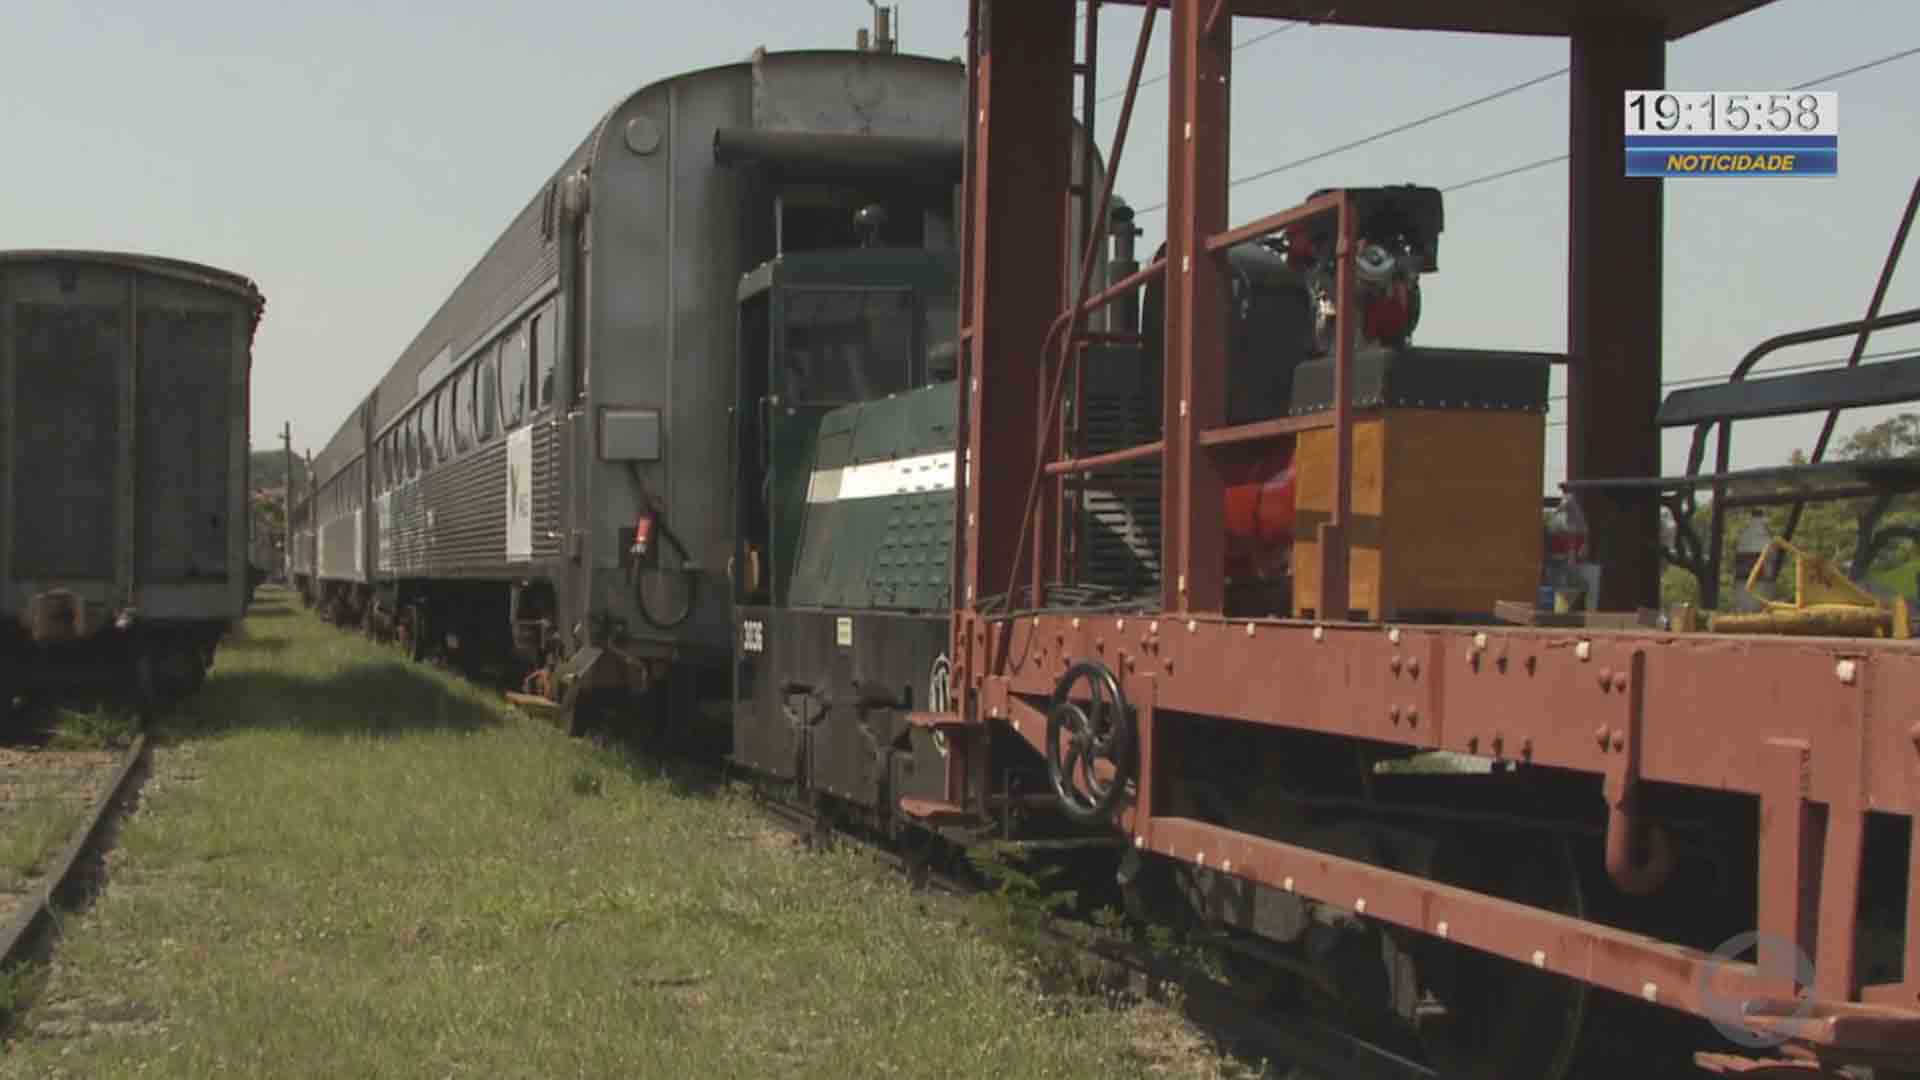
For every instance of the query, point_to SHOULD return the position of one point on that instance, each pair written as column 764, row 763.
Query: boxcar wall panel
column 6, row 439
column 68, row 327
column 185, row 468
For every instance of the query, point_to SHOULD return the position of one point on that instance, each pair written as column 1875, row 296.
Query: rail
column 1712, row 410
column 28, row 931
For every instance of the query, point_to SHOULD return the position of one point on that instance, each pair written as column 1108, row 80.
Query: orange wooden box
column 1446, row 512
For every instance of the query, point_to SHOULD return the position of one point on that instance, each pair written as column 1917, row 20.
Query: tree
column 269, row 469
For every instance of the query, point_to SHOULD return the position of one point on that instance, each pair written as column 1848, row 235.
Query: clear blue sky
column 356, row 159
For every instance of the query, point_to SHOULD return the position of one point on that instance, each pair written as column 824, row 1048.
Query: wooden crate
column 1446, row 512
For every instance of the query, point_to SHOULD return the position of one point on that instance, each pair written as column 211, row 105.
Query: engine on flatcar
column 848, row 494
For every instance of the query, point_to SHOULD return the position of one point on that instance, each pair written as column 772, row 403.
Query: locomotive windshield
column 941, row 327
column 847, row 345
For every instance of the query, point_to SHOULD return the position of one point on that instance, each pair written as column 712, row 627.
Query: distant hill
column 269, row 469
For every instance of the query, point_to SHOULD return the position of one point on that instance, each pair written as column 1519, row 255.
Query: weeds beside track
column 347, row 864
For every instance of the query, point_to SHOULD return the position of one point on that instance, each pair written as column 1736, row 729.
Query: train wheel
column 1482, row 1017
column 411, row 631
column 594, row 714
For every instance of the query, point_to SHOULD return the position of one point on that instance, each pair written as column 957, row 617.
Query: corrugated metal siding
column 468, row 500
column 453, row 521
column 548, row 460
column 183, row 432
column 65, row 389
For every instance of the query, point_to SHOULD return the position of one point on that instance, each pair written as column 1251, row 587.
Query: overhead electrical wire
column 1249, row 43
column 1486, row 99
column 1429, row 118
column 1555, row 159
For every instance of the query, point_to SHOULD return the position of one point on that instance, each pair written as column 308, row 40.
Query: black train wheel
column 411, row 631
column 1492, row 1018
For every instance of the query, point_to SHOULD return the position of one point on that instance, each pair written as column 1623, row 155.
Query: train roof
column 522, row 256
column 179, row 269
column 1549, row 18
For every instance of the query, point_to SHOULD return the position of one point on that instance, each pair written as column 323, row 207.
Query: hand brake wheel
column 1099, row 730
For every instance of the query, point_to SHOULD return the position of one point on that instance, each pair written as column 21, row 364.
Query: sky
column 356, row 159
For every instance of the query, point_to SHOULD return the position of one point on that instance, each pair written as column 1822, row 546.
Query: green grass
column 98, row 726
column 347, row 865
column 31, row 835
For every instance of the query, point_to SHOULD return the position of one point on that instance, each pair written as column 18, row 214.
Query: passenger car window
column 487, row 401
column 514, row 354
column 423, row 433
column 544, row 355
column 443, row 423
column 462, row 390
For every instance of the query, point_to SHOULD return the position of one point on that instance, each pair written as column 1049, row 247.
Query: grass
column 347, row 865
column 102, row 725
column 32, row 834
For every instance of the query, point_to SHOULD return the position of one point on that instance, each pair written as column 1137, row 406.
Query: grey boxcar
column 547, row 472
column 124, row 384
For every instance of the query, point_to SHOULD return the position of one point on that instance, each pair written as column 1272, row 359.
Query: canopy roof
column 1540, row 17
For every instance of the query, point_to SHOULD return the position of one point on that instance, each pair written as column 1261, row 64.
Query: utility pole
column 286, row 504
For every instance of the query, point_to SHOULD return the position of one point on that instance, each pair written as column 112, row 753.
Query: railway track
column 57, row 807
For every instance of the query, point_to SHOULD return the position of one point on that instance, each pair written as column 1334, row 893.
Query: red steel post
column 1613, row 301
column 1198, row 294
column 1020, row 166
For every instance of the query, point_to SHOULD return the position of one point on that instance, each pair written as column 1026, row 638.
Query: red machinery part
column 1260, row 504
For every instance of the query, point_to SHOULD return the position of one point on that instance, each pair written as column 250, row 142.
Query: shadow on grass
column 250, row 640
column 367, row 699
column 384, row 694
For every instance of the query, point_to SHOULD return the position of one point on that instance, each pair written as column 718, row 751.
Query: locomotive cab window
column 846, row 345
column 941, row 329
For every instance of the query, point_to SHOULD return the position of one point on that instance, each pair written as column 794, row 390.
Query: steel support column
column 1613, row 302
column 1193, row 544
column 1020, row 168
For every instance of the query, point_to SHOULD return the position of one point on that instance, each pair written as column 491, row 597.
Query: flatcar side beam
column 1791, row 722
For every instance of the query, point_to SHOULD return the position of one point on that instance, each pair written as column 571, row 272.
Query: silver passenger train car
column 124, row 394
column 546, row 476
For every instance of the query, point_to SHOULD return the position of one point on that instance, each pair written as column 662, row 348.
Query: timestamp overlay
column 1674, row 133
